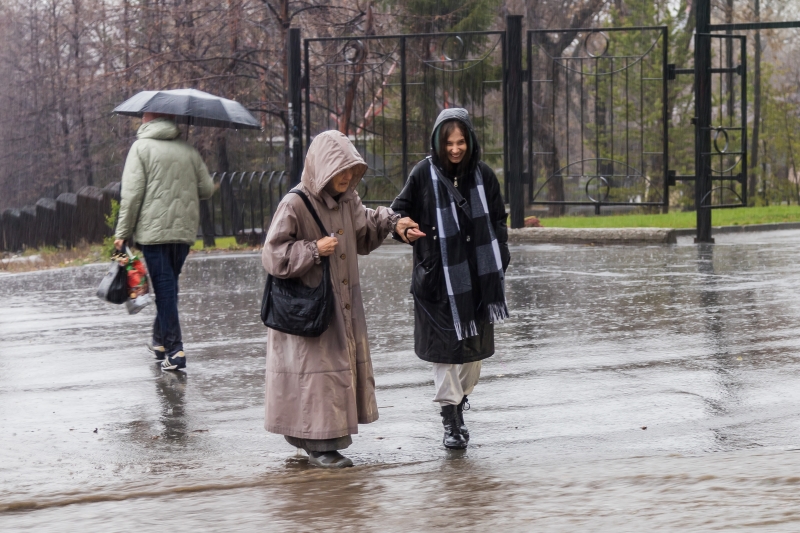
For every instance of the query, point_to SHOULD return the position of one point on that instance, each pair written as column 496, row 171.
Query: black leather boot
column 460, row 408
column 453, row 439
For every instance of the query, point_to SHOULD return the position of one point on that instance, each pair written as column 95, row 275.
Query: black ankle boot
column 460, row 408
column 453, row 438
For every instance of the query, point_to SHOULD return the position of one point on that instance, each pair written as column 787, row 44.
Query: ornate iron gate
column 726, row 162
column 597, row 117
column 385, row 92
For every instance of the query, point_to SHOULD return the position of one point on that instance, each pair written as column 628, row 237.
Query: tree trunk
column 284, row 24
column 352, row 87
column 752, row 177
column 729, row 53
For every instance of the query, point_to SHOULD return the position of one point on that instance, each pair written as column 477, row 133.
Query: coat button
column 468, row 239
column 347, row 306
column 340, row 232
column 434, row 228
column 343, row 256
column 336, row 208
column 434, row 237
column 344, row 281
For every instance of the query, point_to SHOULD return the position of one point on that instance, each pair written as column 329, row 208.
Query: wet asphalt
column 634, row 386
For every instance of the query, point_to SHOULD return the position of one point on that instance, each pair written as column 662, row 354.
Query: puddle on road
column 696, row 343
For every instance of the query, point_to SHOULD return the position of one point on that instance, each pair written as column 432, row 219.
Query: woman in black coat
column 459, row 263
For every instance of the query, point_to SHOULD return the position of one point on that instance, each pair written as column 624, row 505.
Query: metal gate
column 597, row 117
column 385, row 92
column 726, row 162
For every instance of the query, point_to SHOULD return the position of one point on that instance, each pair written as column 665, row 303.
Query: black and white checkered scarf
column 453, row 243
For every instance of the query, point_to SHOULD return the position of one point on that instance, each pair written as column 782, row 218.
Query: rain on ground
column 641, row 386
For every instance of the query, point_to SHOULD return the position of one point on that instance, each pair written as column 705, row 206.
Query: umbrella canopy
column 190, row 106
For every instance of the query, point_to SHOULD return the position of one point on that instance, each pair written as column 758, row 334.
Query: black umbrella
column 190, row 106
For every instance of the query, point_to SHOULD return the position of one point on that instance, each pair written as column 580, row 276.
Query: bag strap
column 313, row 211
column 460, row 201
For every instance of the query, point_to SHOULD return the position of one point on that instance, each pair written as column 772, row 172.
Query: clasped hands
column 407, row 229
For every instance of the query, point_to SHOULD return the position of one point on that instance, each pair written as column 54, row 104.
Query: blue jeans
column 164, row 264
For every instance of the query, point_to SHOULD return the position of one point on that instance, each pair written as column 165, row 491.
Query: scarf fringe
column 498, row 312
column 466, row 329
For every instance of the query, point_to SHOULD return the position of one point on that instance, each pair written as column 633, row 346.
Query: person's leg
column 162, row 276
column 449, row 394
column 320, row 445
column 156, row 345
column 176, row 256
column 447, row 383
column 173, row 338
column 468, row 375
column 178, row 253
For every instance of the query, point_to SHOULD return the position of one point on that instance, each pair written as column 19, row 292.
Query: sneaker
column 174, row 362
column 159, row 351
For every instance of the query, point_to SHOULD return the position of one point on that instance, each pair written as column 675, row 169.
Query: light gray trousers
column 453, row 382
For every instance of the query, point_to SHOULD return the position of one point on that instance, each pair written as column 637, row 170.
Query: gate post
column 293, row 58
column 702, row 103
column 514, row 133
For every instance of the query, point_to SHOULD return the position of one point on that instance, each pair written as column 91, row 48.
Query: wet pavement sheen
column 638, row 386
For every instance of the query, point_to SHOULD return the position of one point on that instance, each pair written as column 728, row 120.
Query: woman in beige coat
column 318, row 389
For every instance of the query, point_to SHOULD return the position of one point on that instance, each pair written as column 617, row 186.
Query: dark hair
column 445, row 130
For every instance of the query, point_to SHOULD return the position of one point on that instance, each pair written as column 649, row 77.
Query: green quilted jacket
column 162, row 184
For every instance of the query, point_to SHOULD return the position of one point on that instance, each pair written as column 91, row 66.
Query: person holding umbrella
column 163, row 181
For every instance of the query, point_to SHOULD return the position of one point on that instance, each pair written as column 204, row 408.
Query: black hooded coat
column 434, row 335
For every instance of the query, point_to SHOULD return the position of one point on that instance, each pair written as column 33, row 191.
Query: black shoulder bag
column 291, row 307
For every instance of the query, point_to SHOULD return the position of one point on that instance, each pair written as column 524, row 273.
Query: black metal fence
column 241, row 207
column 593, row 129
column 63, row 221
column 597, row 117
column 727, row 160
column 385, row 92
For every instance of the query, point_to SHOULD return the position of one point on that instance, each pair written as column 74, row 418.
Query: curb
column 592, row 236
column 752, row 228
column 628, row 235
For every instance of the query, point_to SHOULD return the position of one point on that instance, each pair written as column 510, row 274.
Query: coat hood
column 462, row 115
column 159, row 128
column 330, row 153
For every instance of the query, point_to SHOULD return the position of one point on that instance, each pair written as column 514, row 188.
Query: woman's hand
column 118, row 243
column 408, row 230
column 326, row 246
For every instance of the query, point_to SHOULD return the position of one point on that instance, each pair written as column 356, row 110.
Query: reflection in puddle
column 697, row 344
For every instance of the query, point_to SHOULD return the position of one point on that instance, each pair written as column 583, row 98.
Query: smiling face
column 456, row 146
column 453, row 146
column 340, row 183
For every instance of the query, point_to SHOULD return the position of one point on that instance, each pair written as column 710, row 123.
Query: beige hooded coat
column 323, row 387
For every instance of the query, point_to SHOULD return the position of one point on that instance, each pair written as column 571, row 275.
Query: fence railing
column 63, row 221
column 242, row 207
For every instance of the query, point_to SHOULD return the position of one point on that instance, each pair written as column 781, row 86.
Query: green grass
column 688, row 219
column 222, row 243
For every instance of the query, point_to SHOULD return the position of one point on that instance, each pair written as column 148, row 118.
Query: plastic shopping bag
column 134, row 305
column 138, row 283
column 114, row 286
